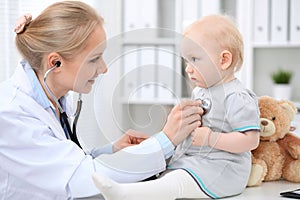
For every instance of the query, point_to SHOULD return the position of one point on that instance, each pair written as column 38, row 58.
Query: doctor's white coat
column 38, row 162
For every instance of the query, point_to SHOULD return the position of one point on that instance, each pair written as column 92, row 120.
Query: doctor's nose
column 102, row 69
column 105, row 69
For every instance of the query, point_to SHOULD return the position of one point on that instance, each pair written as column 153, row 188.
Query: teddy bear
column 278, row 153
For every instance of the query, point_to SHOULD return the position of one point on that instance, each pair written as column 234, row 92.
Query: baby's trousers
column 175, row 184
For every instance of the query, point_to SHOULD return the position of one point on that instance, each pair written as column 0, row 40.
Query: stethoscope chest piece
column 205, row 104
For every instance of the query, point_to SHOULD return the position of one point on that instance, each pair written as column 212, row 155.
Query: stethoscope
column 63, row 116
column 205, row 104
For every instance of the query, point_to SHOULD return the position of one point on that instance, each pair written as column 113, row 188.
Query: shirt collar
column 38, row 94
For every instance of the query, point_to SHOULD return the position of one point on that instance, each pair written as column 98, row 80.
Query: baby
column 215, row 160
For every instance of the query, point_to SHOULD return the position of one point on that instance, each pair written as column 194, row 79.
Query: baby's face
column 202, row 59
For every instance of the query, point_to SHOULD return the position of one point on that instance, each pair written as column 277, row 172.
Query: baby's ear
column 226, row 59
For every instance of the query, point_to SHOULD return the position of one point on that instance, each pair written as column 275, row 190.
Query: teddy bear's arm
column 291, row 143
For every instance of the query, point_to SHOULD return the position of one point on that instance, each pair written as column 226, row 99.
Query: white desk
column 268, row 190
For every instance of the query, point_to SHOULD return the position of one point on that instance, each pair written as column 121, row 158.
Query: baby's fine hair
column 223, row 30
column 63, row 27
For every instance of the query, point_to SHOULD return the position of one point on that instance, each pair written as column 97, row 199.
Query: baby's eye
column 194, row 59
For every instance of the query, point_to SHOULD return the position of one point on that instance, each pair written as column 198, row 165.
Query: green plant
column 282, row 76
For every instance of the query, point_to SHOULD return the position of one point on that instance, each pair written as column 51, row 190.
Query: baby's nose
column 189, row 69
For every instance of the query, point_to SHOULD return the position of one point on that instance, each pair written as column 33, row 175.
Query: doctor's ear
column 54, row 60
column 226, row 59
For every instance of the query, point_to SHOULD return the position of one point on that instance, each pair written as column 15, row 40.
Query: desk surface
column 268, row 190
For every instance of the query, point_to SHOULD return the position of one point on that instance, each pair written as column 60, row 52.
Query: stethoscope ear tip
column 57, row 63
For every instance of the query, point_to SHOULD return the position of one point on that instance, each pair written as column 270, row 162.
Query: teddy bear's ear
column 289, row 108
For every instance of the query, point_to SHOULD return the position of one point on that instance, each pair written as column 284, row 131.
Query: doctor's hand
column 183, row 119
column 130, row 138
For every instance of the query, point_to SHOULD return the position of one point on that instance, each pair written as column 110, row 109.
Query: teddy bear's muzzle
column 267, row 127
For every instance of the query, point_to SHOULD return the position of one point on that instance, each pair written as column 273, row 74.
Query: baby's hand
column 200, row 136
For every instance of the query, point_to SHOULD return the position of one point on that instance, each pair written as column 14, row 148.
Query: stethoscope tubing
column 72, row 133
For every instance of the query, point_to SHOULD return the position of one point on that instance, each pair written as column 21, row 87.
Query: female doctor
column 40, row 156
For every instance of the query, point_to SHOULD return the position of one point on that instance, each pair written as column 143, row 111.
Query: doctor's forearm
column 133, row 163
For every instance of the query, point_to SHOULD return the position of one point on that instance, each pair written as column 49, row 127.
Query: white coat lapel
column 22, row 84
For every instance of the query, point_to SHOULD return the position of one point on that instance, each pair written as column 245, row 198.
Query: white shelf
column 149, row 41
column 263, row 54
column 276, row 45
column 151, row 101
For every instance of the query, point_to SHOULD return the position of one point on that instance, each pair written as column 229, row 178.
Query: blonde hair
column 62, row 27
column 223, row 30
